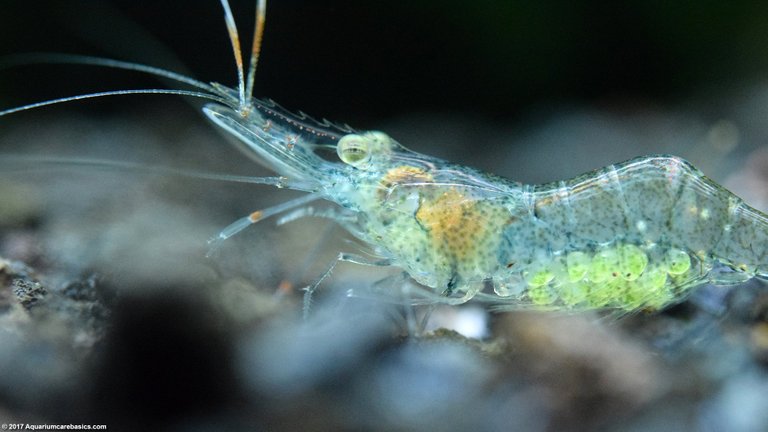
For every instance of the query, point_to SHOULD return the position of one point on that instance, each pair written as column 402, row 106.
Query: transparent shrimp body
column 630, row 236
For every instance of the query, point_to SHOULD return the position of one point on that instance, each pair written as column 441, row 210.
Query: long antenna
column 235, row 39
column 196, row 94
column 258, row 35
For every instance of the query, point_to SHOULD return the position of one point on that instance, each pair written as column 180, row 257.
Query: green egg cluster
column 624, row 276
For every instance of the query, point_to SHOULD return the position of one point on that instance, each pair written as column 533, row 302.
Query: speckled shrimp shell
column 636, row 235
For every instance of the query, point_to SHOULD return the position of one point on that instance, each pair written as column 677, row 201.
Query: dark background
column 364, row 62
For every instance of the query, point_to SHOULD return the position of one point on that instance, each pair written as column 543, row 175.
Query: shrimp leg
column 342, row 257
column 244, row 222
column 334, row 214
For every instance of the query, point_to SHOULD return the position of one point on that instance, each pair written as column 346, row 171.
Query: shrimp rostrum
column 636, row 235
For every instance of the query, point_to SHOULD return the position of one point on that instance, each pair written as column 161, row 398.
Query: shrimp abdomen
column 637, row 234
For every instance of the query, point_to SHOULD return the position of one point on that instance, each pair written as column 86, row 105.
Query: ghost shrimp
column 636, row 235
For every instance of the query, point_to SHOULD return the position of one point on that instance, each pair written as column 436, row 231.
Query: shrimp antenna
column 258, row 35
column 234, row 37
column 115, row 93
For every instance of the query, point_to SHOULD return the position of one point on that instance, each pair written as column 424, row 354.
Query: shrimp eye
column 354, row 150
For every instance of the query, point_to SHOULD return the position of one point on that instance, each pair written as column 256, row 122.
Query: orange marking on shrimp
column 454, row 222
column 403, row 175
column 255, row 216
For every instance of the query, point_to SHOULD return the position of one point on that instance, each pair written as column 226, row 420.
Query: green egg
column 578, row 264
column 558, row 268
column 601, row 294
column 678, row 261
column 632, row 262
column 604, row 266
column 633, row 297
column 541, row 295
column 574, row 293
column 653, row 278
column 538, row 275
column 653, row 284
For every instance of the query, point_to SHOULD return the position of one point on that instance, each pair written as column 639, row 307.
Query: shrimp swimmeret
column 636, row 235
